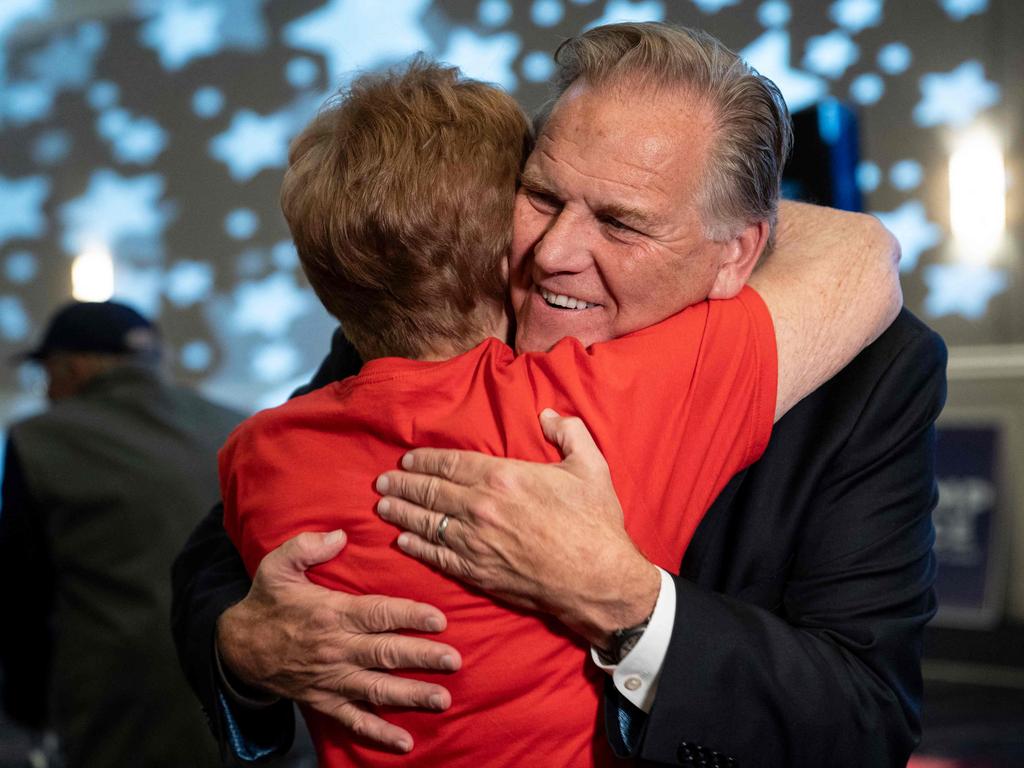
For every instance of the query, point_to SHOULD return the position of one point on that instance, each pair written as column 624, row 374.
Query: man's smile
column 562, row 301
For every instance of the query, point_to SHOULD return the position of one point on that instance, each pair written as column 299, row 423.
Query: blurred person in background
column 99, row 493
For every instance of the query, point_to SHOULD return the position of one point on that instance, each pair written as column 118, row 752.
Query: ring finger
column 415, row 519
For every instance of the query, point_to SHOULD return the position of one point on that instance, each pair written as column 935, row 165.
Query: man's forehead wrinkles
column 610, row 178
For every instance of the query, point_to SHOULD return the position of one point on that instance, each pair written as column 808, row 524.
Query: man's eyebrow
column 627, row 215
column 535, row 184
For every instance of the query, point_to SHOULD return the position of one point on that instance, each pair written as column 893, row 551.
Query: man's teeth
column 567, row 302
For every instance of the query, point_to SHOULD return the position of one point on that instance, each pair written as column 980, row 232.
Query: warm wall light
column 92, row 275
column 977, row 196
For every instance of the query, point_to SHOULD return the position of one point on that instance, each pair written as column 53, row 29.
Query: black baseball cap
column 101, row 327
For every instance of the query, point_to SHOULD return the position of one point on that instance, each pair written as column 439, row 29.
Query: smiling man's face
column 608, row 236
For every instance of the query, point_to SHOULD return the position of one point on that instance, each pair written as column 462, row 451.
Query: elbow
column 884, row 258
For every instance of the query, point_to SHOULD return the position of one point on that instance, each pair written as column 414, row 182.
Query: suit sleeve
column 209, row 577
column 832, row 675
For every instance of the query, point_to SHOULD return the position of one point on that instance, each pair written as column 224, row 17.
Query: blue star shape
column 909, row 223
column 243, row 26
column 69, row 60
column 137, row 140
column 484, row 58
column 830, row 55
column 14, row 323
column 253, row 143
column 113, row 209
column 955, row 98
column 352, row 34
column 139, row 286
column 856, row 15
column 13, row 13
column 963, row 289
column 182, row 30
column 269, row 306
column 769, row 55
column 961, row 9
column 188, row 282
column 21, row 207
column 625, row 10
column 714, row 6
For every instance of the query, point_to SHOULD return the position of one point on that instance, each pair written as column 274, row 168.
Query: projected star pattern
column 206, row 250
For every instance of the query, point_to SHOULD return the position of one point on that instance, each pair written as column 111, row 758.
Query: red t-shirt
column 676, row 409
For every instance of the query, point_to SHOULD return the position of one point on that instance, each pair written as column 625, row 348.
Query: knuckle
column 377, row 691
column 386, row 653
column 376, row 615
column 501, row 478
column 431, row 492
column 321, row 618
column 448, row 464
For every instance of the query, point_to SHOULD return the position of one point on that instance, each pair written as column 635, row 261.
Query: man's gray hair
column 754, row 136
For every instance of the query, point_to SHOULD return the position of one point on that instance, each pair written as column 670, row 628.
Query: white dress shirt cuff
column 636, row 676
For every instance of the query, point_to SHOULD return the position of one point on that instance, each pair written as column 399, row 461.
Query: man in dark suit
column 795, row 658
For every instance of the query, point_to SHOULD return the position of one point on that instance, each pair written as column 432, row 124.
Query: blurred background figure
column 99, row 493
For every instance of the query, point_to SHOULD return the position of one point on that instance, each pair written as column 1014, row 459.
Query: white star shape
column 253, row 143
column 616, row 11
column 114, row 208
column 269, row 306
column 352, row 34
column 183, row 30
column 963, row 289
column 856, row 15
column 484, row 58
column 961, row 9
column 769, row 55
column 955, row 98
column 830, row 55
column 21, row 207
column 909, row 223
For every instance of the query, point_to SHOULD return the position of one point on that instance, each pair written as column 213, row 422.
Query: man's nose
column 564, row 247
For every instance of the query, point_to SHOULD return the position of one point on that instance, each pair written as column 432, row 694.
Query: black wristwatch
column 622, row 642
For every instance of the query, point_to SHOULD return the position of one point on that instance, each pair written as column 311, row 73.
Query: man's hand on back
column 326, row 648
column 544, row 536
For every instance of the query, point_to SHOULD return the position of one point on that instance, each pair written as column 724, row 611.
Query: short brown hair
column 399, row 196
column 744, row 172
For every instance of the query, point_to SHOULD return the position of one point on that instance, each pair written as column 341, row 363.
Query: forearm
column 832, row 286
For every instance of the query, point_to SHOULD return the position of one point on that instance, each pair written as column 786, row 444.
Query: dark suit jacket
column 801, row 600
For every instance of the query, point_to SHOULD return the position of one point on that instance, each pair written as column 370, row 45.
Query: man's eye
column 614, row 223
column 543, row 201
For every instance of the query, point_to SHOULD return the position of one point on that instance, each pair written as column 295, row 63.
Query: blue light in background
column 301, row 72
column 774, row 13
column 253, row 143
column 241, row 223
column 51, row 147
column 189, row 282
column 494, row 13
column 21, row 207
column 867, row 89
column 830, row 55
column 869, row 176
column 196, row 355
column 714, row 6
column 283, row 255
column 181, row 31
column 21, row 267
column 769, row 55
column 538, row 66
column 113, row 209
column 856, row 15
column 962, row 289
column 353, row 34
column 625, row 10
column 906, row 175
column 546, row 13
column 103, row 94
column 270, row 306
column 14, row 323
column 484, row 58
column 956, row 97
column 207, row 101
column 909, row 223
column 138, row 140
column 894, row 58
column 961, row 9
column 275, row 362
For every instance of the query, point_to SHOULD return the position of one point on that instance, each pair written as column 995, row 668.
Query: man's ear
column 739, row 259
